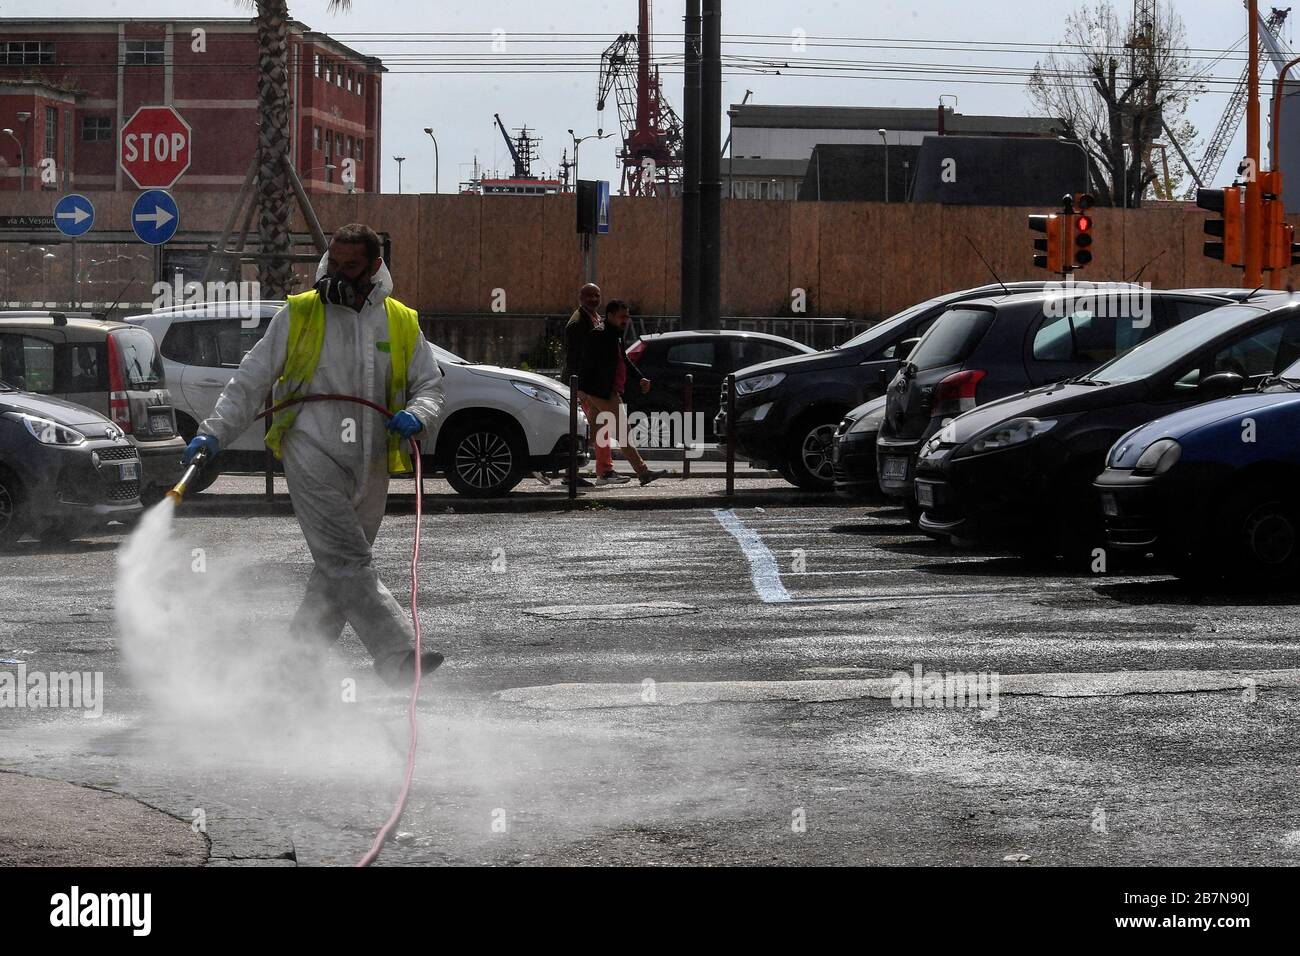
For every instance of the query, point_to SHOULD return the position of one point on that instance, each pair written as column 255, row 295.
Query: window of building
column 360, row 151
column 26, row 53
column 320, row 65
column 352, row 145
column 329, row 72
column 360, row 83
column 315, row 137
column 751, row 189
column 51, row 133
column 349, row 81
column 144, row 52
column 329, row 143
column 340, row 75
column 96, row 129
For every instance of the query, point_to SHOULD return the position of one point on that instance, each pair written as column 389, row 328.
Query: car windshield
column 1161, row 351
column 886, row 326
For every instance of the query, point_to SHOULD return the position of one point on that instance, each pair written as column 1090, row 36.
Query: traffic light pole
column 1253, row 277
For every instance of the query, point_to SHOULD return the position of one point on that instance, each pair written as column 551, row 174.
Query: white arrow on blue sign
column 154, row 217
column 74, row 215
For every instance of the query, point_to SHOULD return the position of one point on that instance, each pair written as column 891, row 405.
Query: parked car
column 497, row 425
column 985, row 349
column 1213, row 489
column 64, row 468
column 1021, row 469
column 853, row 451
column 666, row 358
column 112, row 368
column 787, row 410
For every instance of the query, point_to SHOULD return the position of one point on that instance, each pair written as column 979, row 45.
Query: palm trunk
column 274, row 191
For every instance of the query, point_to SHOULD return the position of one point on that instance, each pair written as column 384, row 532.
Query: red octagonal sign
column 155, row 147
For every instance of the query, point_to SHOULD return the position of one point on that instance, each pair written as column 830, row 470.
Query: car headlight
column 538, row 393
column 758, row 383
column 1015, row 431
column 1159, row 457
column 867, row 423
column 47, row 432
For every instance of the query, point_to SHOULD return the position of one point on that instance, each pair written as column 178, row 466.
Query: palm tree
column 274, row 108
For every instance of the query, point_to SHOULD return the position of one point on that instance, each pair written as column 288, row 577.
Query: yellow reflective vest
column 307, row 336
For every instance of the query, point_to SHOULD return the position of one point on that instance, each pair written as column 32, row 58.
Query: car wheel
column 1263, row 536
column 809, row 461
column 485, row 459
column 13, row 511
column 210, row 472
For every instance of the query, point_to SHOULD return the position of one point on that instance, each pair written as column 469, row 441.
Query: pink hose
column 373, row 853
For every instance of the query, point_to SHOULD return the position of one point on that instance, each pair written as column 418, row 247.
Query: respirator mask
column 338, row 289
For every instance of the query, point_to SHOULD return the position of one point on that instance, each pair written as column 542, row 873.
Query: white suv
column 496, row 426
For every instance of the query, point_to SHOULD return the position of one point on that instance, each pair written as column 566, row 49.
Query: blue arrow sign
column 154, row 217
column 602, row 207
column 74, row 215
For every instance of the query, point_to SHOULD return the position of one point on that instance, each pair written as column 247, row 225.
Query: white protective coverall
column 338, row 486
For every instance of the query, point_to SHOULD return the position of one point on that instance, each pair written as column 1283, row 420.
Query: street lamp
column 22, row 160
column 429, row 130
column 599, row 134
column 328, row 167
column 1087, row 172
column 886, row 142
column 400, row 160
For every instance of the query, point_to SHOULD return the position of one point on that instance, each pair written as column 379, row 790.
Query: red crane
column 652, row 133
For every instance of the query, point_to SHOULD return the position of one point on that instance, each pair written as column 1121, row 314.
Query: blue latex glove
column 405, row 424
column 208, row 442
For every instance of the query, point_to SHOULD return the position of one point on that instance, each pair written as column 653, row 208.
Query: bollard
column 730, row 386
column 686, row 428
column 573, row 436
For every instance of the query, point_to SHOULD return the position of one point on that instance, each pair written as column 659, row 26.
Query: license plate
column 894, row 468
column 925, row 495
column 160, row 424
column 129, row 470
column 1109, row 506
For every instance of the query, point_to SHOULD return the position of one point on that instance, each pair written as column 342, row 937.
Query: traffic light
column 1277, row 238
column 1227, row 230
column 1080, row 229
column 1050, row 246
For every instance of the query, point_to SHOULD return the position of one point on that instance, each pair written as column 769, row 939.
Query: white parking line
column 763, row 569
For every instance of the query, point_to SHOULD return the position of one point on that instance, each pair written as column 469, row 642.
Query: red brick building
column 68, row 85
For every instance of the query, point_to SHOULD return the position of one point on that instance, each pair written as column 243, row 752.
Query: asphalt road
column 678, row 687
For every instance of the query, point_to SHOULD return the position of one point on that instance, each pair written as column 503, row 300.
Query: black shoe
column 583, row 483
column 429, row 662
column 648, row 476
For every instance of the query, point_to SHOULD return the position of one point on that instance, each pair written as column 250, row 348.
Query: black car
column 853, row 450
column 1020, row 470
column 1212, row 489
column 987, row 349
column 64, row 468
column 787, row 410
column 708, row 356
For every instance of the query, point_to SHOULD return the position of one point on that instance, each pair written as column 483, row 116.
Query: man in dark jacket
column 606, row 372
column 577, row 332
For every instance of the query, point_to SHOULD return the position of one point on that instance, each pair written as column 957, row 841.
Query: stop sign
column 155, row 147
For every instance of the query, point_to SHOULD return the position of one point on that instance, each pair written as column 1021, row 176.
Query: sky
column 459, row 106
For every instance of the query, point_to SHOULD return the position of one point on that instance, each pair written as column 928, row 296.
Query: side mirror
column 1220, row 385
column 904, row 349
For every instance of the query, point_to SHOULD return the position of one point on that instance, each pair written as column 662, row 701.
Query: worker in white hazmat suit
column 346, row 336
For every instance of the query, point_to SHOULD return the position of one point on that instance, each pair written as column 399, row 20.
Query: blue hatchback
column 1215, row 488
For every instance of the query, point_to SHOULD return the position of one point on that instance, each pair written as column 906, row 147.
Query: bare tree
column 1114, row 85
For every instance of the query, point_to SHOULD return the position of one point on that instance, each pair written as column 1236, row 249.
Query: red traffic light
column 1083, row 223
